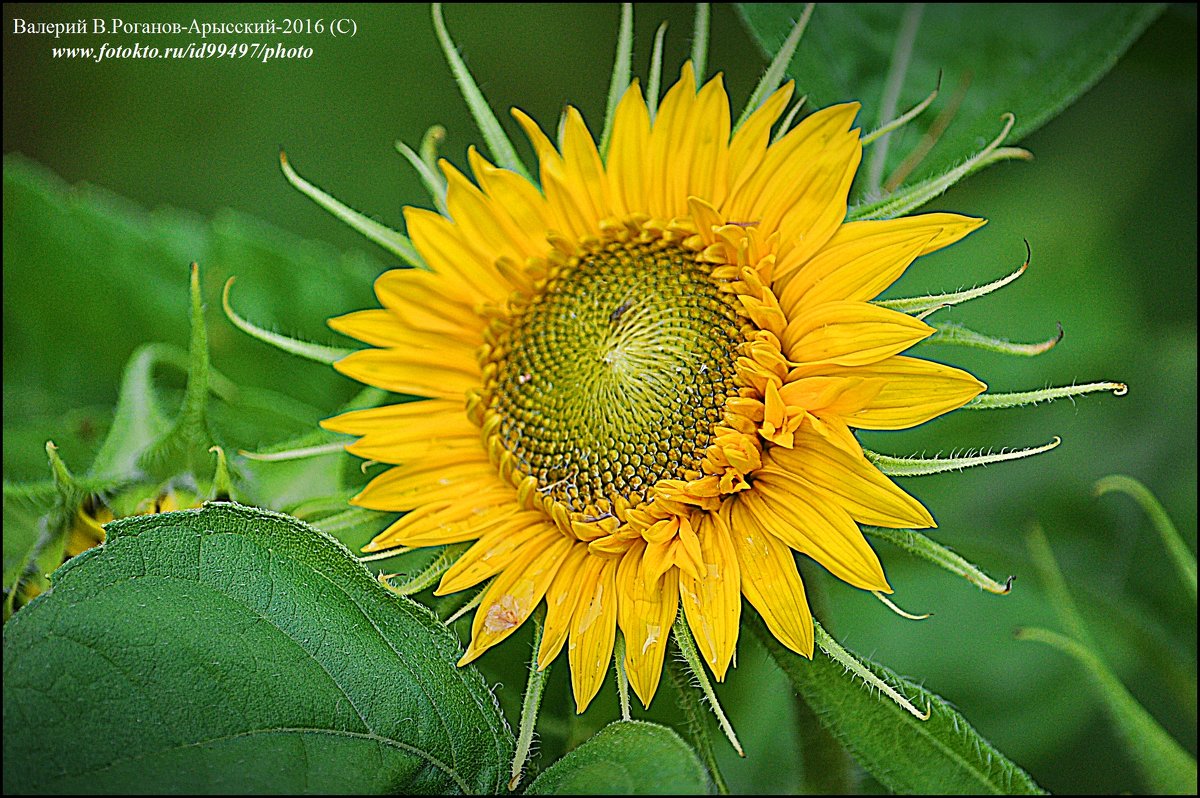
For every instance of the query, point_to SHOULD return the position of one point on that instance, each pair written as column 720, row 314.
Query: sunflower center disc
column 613, row 377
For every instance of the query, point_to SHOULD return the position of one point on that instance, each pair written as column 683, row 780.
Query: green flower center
column 613, row 376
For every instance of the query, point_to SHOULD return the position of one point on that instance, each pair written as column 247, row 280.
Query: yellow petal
column 593, row 631
column 851, row 334
column 397, row 438
column 485, row 223
column 835, row 432
column 646, row 611
column 830, row 395
column 441, row 243
column 496, row 549
column 575, row 578
column 627, row 152
column 374, row 327
column 709, row 172
column 770, row 581
column 811, row 524
column 864, row 258
column 408, row 446
column 712, row 603
column 420, row 372
column 373, row 419
column 448, row 521
column 800, row 180
column 517, row 196
column 431, row 480
column 851, row 481
column 384, row 328
column 659, row 558
column 671, row 142
column 583, row 168
column 513, row 595
column 914, row 390
column 569, row 211
column 542, row 147
column 424, row 301
column 749, row 144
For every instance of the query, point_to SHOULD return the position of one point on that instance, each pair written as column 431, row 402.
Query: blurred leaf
column 626, row 758
column 943, row 754
column 27, row 510
column 230, row 649
column 139, row 419
column 68, row 346
column 1028, row 60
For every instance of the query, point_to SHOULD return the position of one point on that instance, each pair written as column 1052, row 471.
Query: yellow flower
column 642, row 380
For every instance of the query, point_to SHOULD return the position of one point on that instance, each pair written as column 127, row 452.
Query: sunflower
column 642, row 377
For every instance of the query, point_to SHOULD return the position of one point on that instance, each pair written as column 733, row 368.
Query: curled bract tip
column 1121, row 389
column 903, row 614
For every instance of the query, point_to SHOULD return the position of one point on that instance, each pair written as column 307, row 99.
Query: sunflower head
column 642, row 377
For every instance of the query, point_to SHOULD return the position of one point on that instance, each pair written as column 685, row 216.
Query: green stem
column 691, row 655
column 622, row 678
column 1181, row 555
column 700, row 42
column 1056, row 586
column 532, row 703
column 619, row 82
column 1167, row 767
column 897, row 71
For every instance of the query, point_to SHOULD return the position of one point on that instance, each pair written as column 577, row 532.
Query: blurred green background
column 1108, row 207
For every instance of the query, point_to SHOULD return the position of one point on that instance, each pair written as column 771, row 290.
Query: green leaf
column 1029, row 60
column 628, row 757
column 228, row 649
column 941, row 755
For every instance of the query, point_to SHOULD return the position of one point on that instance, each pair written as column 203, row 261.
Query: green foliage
column 137, row 261
column 626, row 758
column 232, row 649
column 1182, row 557
column 1165, row 766
column 992, row 60
column 943, row 754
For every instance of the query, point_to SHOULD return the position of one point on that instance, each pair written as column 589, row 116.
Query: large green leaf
column 626, row 758
column 228, row 649
column 941, row 755
column 1029, row 60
